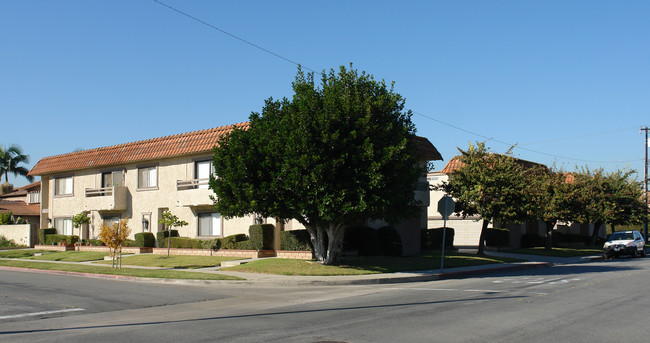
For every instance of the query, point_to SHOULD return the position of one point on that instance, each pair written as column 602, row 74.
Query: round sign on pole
column 446, row 206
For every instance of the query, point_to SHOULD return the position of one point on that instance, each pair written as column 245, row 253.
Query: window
column 34, row 197
column 63, row 186
column 63, row 226
column 203, row 170
column 148, row 177
column 209, row 224
column 113, row 178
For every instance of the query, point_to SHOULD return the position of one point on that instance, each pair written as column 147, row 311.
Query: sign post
column 446, row 207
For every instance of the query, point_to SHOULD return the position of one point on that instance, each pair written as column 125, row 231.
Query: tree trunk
column 481, row 240
column 317, row 235
column 594, row 234
column 335, row 233
column 613, row 228
column 548, row 242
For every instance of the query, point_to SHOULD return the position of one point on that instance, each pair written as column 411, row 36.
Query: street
column 592, row 302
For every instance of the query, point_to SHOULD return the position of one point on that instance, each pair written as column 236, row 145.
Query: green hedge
column 390, row 242
column 228, row 242
column 55, row 239
column 431, row 239
column 261, row 236
column 145, row 240
column 162, row 235
column 43, row 232
column 497, row 237
column 93, row 242
column 363, row 239
column 295, row 240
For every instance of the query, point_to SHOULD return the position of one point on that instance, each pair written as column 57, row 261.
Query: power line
column 420, row 114
column 231, row 35
column 517, row 146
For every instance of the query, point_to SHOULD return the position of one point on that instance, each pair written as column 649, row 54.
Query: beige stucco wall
column 186, row 204
column 18, row 233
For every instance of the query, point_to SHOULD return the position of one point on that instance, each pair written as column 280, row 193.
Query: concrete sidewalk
column 271, row 280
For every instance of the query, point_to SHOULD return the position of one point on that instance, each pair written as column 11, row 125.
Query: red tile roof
column 455, row 163
column 22, row 191
column 146, row 150
column 426, row 150
column 163, row 147
column 20, row 208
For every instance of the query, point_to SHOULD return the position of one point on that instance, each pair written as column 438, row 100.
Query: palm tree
column 10, row 158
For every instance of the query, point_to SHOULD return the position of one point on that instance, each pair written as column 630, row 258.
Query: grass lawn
column 146, row 273
column 174, row 261
column 19, row 253
column 559, row 252
column 361, row 265
column 71, row 256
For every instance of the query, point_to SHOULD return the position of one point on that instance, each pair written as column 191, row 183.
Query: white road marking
column 41, row 313
column 463, row 290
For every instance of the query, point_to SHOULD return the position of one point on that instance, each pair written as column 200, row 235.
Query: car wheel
column 643, row 252
column 635, row 253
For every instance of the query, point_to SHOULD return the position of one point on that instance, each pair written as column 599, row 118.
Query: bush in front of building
column 145, row 240
column 92, row 242
column 57, row 239
column 44, row 232
column 431, row 239
column 362, row 239
column 497, row 237
column 228, row 242
column 530, row 240
column 390, row 242
column 162, row 235
column 295, row 240
column 261, row 236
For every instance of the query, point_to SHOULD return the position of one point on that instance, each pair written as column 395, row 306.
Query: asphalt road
column 595, row 302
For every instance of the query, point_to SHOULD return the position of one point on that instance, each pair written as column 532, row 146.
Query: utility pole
column 645, row 180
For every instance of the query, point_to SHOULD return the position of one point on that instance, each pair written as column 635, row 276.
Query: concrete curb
column 278, row 281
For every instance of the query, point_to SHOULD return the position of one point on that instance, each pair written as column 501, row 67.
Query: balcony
column 194, row 193
column 106, row 199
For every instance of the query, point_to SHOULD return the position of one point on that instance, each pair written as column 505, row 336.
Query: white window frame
column 216, row 224
column 68, row 184
column 210, row 171
column 151, row 169
column 66, row 223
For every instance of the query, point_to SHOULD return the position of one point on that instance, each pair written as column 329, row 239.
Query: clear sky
column 568, row 81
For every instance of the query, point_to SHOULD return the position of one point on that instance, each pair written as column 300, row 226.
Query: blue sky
column 568, row 81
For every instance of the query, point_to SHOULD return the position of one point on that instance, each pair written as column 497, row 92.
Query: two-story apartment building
column 140, row 180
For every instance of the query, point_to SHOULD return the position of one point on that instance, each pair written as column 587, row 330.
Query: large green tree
column 547, row 193
column 10, row 162
column 490, row 185
column 329, row 157
column 600, row 197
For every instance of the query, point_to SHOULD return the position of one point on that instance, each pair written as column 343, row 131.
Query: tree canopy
column 10, row 159
column 490, row 185
column 332, row 155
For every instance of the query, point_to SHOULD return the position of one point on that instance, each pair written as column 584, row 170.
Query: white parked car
column 625, row 243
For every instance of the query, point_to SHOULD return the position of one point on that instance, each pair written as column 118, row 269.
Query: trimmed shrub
column 56, row 239
column 295, row 240
column 161, row 235
column 431, row 239
column 261, row 236
column 182, row 243
column 497, row 237
column 362, row 238
column 130, row 243
column 93, row 242
column 390, row 242
column 43, row 232
column 145, row 240
column 530, row 240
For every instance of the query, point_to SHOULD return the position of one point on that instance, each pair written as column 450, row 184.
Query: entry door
column 203, row 170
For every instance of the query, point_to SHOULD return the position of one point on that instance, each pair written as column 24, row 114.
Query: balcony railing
column 107, row 198
column 195, row 192
column 99, row 192
column 192, row 184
